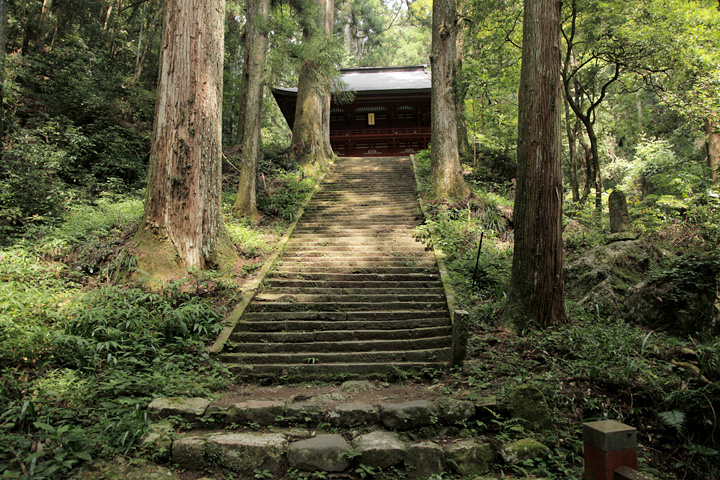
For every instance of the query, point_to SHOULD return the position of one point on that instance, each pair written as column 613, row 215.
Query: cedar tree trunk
column 536, row 283
column 309, row 139
column 256, row 34
column 712, row 144
column 42, row 24
column 3, row 47
column 183, row 225
column 446, row 179
column 460, row 93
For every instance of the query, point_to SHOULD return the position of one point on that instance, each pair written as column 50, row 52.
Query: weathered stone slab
column 353, row 414
column 260, row 412
column 619, row 217
column 245, row 452
column 404, row 416
column 305, row 412
column 188, row 451
column 356, row 386
column 190, row 409
column 456, row 412
column 528, row 403
column 324, row 453
column 329, row 397
column 524, row 449
column 159, row 439
column 469, row 457
column 379, row 449
column 424, row 459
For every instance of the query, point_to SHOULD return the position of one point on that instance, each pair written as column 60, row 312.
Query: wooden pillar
column 609, row 445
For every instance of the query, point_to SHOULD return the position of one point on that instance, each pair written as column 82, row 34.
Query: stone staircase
column 353, row 292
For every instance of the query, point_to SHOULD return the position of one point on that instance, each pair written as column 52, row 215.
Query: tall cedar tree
column 310, row 142
column 183, row 214
column 256, row 45
column 447, row 181
column 712, row 146
column 536, row 282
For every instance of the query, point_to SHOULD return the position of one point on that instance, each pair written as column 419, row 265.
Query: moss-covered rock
column 524, row 449
column 602, row 276
column 681, row 300
column 528, row 404
column 470, row 457
column 124, row 469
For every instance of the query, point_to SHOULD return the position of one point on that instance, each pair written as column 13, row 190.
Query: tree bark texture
column 310, row 142
column 536, row 292
column 460, row 93
column 3, row 47
column 447, row 181
column 712, row 144
column 242, row 107
column 571, row 126
column 183, row 200
column 328, row 26
column 256, row 34
column 43, row 24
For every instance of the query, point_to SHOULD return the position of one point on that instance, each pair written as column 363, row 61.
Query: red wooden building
column 390, row 114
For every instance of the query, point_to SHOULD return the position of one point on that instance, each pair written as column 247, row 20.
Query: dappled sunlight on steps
column 353, row 292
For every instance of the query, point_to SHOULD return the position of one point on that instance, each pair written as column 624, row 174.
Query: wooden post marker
column 609, row 445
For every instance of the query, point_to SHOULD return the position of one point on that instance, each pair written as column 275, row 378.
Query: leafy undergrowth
column 594, row 366
column 82, row 353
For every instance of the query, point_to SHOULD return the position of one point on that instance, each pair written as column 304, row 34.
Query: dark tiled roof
column 381, row 79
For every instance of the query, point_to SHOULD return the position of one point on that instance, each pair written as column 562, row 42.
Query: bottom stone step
column 344, row 370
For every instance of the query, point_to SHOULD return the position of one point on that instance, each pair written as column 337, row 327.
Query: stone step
column 378, row 344
column 365, row 249
column 320, row 290
column 362, row 206
column 341, row 335
column 357, row 254
column 357, row 277
column 383, row 229
column 345, row 306
column 270, row 324
column 316, row 357
column 347, row 370
column 377, row 297
column 352, row 284
column 370, row 214
column 388, row 261
column 353, row 292
column 360, row 243
column 281, row 269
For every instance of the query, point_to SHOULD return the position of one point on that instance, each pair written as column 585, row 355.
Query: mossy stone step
column 344, row 307
column 353, row 292
column 318, row 357
column 352, row 284
column 388, row 290
column 270, row 324
column 340, row 345
column 357, row 277
column 341, row 335
column 370, row 297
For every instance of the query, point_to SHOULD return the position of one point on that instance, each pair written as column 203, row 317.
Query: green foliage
column 285, row 200
column 78, row 369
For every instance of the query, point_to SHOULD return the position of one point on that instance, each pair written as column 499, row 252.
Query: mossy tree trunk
column 712, row 144
column 183, row 226
column 446, row 179
column 536, row 294
column 43, row 24
column 256, row 46
column 460, row 93
column 3, row 47
column 311, row 130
